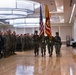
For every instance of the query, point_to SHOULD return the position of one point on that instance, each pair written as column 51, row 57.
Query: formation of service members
column 10, row 42
column 50, row 42
column 24, row 42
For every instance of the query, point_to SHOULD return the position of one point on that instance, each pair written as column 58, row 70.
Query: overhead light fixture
column 72, row 13
column 12, row 9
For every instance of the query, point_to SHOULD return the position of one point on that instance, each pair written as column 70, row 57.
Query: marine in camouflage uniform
column 25, row 42
column 7, row 44
column 43, row 45
column 36, row 43
column 18, row 43
column 50, row 44
column 57, row 44
column 13, row 43
column 10, row 42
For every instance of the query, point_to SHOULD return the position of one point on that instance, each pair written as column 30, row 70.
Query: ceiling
column 60, row 11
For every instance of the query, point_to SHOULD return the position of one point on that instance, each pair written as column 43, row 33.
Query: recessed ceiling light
column 72, row 13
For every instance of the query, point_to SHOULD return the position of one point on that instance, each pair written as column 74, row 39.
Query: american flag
column 41, row 27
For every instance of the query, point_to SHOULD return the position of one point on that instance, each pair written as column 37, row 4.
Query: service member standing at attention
column 36, row 43
column 57, row 44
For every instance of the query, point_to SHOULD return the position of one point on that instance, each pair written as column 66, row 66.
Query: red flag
column 41, row 28
column 47, row 23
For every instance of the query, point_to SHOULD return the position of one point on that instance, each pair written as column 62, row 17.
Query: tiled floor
column 24, row 63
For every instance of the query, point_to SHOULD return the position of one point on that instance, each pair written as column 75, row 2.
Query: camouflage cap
column 57, row 32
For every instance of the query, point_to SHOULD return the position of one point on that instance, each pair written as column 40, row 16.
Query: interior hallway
column 24, row 63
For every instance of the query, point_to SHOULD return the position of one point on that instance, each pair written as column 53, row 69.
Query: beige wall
column 63, row 29
column 19, row 30
column 8, row 28
column 29, row 30
column 54, row 29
